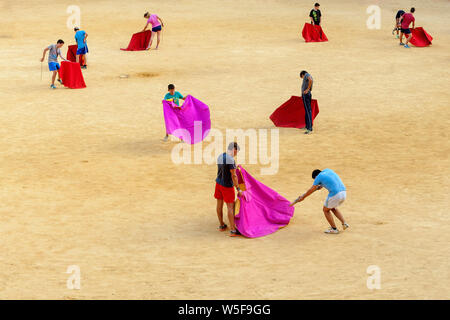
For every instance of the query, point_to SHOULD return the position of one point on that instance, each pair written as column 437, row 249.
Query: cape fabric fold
column 190, row 122
column 262, row 211
column 71, row 75
column 139, row 41
column 291, row 114
column 72, row 54
column 420, row 38
column 313, row 33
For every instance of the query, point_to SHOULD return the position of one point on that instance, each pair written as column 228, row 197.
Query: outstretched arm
column 162, row 23
column 145, row 28
column 306, row 194
column 43, row 54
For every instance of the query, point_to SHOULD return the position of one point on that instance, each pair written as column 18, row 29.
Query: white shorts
column 336, row 200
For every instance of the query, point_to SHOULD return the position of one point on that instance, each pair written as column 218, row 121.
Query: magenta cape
column 262, row 210
column 420, row 38
column 191, row 122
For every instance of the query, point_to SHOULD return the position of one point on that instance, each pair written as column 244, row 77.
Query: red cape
column 420, row 38
column 71, row 75
column 72, row 54
column 139, row 41
column 291, row 114
column 313, row 33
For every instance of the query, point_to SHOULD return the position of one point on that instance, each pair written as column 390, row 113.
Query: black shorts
column 406, row 31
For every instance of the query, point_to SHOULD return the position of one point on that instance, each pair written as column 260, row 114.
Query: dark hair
column 316, row 4
column 146, row 14
column 171, row 86
column 413, row 10
column 303, row 73
column 60, row 41
column 315, row 173
column 76, row 29
column 233, row 146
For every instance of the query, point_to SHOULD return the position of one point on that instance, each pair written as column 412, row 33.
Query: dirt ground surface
column 86, row 180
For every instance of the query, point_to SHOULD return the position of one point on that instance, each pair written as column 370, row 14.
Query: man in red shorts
column 226, row 181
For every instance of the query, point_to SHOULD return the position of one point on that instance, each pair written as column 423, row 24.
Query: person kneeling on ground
column 175, row 97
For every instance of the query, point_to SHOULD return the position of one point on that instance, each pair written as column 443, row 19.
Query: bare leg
column 54, row 77
column 77, row 58
column 401, row 37
column 220, row 211
column 338, row 215
column 151, row 40
column 408, row 37
column 230, row 208
column 329, row 217
column 158, row 38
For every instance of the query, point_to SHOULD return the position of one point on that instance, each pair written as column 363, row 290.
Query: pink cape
column 291, row 114
column 191, row 122
column 313, row 33
column 420, row 38
column 139, row 41
column 262, row 210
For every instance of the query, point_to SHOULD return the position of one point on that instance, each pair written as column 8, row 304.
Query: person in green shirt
column 175, row 97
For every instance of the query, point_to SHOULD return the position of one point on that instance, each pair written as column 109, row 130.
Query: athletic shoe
column 235, row 233
column 332, row 231
column 223, row 227
column 83, row 67
column 166, row 138
column 60, row 81
column 407, row 47
column 52, row 86
column 401, row 43
column 345, row 225
column 398, row 37
column 308, row 131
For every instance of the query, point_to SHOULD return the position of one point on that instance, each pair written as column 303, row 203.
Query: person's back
column 79, row 37
column 407, row 19
column 330, row 181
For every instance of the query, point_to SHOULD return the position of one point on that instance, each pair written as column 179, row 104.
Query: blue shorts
column 406, row 31
column 155, row 29
column 53, row 66
column 82, row 50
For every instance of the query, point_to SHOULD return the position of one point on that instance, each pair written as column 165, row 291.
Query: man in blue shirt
column 82, row 49
column 336, row 196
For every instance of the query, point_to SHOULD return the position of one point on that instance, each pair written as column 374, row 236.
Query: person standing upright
column 82, row 49
column 307, row 85
column 315, row 15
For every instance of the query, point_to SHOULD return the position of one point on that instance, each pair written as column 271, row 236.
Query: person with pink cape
column 190, row 121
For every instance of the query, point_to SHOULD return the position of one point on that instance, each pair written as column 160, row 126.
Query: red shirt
column 407, row 19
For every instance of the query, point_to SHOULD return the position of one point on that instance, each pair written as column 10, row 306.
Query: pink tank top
column 153, row 20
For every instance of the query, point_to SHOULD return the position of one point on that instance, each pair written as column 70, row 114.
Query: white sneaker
column 332, row 231
column 165, row 139
column 345, row 225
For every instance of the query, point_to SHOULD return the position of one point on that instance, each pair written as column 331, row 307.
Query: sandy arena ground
column 85, row 179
